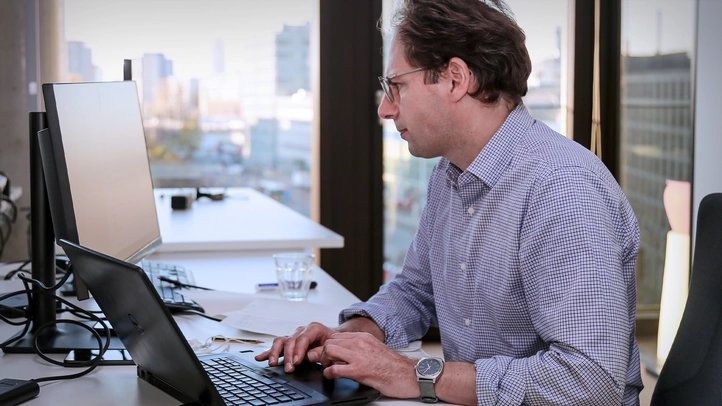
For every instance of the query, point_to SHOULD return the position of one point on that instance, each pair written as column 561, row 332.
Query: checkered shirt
column 525, row 262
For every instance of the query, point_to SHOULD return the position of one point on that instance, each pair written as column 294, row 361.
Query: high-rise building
column 155, row 68
column 543, row 98
column 293, row 64
column 656, row 145
column 219, row 58
column 80, row 63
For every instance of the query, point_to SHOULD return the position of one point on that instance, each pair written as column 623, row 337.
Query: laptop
column 165, row 359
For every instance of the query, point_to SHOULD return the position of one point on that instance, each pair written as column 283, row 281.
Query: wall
column 14, row 115
column 707, row 176
column 32, row 45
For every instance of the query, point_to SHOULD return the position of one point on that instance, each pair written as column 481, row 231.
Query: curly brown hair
column 485, row 36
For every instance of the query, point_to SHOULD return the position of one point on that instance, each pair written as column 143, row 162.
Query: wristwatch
column 428, row 370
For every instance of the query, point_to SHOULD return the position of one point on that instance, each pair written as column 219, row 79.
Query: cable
column 193, row 311
column 13, row 205
column 7, row 296
column 44, row 290
column 16, row 270
column 212, row 196
column 4, row 237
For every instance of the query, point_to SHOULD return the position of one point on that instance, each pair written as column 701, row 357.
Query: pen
column 180, row 284
column 237, row 340
column 272, row 287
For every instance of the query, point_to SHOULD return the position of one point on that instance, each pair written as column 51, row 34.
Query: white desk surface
column 119, row 385
column 247, row 220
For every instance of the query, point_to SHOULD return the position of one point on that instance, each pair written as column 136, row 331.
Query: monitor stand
column 62, row 337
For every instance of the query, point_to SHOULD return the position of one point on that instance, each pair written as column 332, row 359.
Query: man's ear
column 459, row 75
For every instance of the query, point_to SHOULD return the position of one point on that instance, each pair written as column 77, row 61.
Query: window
column 224, row 86
column 405, row 177
column 656, row 126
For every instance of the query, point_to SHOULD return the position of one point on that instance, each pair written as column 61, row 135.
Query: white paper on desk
column 413, row 350
column 217, row 302
column 281, row 317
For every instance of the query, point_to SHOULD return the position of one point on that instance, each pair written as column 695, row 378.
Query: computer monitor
column 99, row 190
column 102, row 193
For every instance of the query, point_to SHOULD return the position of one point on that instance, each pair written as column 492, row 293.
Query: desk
column 246, row 220
column 119, row 385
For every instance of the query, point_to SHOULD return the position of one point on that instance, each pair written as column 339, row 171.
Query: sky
column 640, row 24
column 185, row 30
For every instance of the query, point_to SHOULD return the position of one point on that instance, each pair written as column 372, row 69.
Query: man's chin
column 418, row 154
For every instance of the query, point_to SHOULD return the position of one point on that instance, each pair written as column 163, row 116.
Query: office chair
column 692, row 373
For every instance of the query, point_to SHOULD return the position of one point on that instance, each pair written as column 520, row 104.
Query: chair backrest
column 692, row 373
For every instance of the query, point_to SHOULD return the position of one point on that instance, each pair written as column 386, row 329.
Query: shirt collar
column 496, row 156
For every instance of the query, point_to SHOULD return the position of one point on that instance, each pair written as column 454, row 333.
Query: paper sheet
column 281, row 317
column 217, row 302
column 273, row 316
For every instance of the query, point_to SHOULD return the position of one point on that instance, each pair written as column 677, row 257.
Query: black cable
column 9, row 295
column 42, row 286
column 91, row 364
column 27, row 321
column 96, row 335
column 6, row 190
column 193, row 311
column 13, row 205
column 18, row 269
column 4, row 238
column 180, row 284
column 212, row 196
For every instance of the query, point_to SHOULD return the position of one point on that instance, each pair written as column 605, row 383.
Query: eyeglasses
column 386, row 82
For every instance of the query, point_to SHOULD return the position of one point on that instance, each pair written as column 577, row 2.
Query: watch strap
column 428, row 394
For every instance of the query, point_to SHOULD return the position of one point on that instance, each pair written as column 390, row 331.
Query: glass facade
column 224, row 86
column 656, row 136
column 406, row 177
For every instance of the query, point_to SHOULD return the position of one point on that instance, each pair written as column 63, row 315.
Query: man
column 525, row 251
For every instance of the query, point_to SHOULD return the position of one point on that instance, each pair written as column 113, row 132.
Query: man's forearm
column 362, row 324
column 457, row 384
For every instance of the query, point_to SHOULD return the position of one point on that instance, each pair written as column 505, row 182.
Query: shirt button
column 470, row 211
column 467, row 322
column 463, row 266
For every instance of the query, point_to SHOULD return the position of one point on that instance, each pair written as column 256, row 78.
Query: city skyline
column 184, row 31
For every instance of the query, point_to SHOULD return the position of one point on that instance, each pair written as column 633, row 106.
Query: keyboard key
column 238, row 385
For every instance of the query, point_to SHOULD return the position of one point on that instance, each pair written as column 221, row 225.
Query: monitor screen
column 100, row 188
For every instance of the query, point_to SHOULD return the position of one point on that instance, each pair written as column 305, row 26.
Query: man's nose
column 388, row 110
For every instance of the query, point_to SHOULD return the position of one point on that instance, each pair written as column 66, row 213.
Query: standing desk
column 246, row 220
column 119, row 385
column 227, row 245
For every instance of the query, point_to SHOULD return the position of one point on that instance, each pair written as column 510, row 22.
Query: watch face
column 429, row 366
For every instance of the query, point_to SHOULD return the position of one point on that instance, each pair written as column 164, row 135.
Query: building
column 80, row 63
column 656, row 145
column 293, row 65
column 155, row 68
column 219, row 57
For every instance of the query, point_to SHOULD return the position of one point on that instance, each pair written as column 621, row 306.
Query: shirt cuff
column 394, row 335
column 494, row 386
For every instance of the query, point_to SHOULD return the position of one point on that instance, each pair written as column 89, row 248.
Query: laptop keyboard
column 239, row 385
column 168, row 291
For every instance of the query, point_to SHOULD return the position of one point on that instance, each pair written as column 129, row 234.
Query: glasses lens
column 387, row 89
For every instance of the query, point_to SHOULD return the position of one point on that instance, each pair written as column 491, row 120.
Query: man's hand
column 364, row 359
column 296, row 347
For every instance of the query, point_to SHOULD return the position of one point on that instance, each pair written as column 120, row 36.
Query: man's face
column 417, row 109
